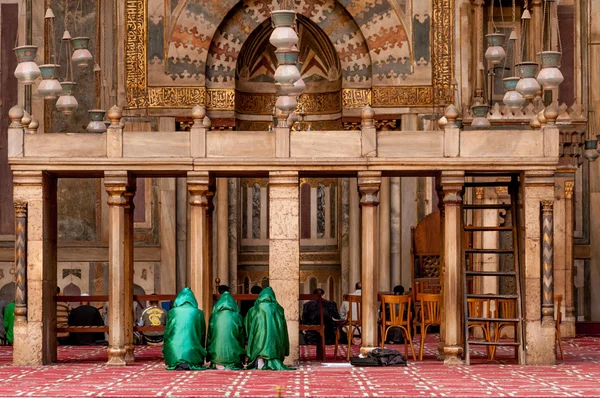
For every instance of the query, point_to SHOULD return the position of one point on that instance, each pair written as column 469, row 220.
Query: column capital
column 478, row 3
column 547, row 206
column 198, row 183
column 20, row 208
column 116, row 183
column 27, row 178
column 369, row 183
column 479, row 191
column 284, row 178
column 569, row 185
column 452, row 186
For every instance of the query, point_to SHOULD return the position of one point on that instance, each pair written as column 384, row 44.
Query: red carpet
column 81, row 372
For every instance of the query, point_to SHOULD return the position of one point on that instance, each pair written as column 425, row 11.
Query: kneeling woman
column 184, row 334
column 268, row 342
column 225, row 344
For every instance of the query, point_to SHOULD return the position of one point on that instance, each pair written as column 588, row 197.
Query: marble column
column 452, row 185
column 116, row 184
column 234, row 215
column 35, row 338
column 129, row 270
column 539, row 336
column 284, row 250
column 200, row 267
column 354, row 273
column 181, row 265
column 568, row 321
column 20, row 320
column 384, row 236
column 395, row 232
column 223, row 231
column 547, row 262
column 369, row 183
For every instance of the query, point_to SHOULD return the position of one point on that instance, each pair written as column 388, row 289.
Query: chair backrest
column 557, row 311
column 507, row 308
column 399, row 309
column 430, row 308
column 477, row 307
column 352, row 299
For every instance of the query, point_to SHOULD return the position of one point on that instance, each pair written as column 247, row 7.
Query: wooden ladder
column 515, row 319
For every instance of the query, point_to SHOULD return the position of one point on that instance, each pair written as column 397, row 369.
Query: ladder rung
column 491, row 273
column 490, row 228
column 514, row 320
column 488, row 184
column 488, row 207
column 495, row 343
column 493, row 296
column 484, row 251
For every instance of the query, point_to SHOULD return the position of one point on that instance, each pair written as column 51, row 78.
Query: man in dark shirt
column 311, row 316
column 86, row 315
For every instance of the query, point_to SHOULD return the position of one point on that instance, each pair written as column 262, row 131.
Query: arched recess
column 329, row 15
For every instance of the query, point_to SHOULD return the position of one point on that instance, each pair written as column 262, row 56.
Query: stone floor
column 81, row 372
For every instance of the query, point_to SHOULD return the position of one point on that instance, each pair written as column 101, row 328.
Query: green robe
column 184, row 333
column 225, row 345
column 9, row 321
column 267, row 332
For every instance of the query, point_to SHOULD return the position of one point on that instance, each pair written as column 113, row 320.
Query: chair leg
column 559, row 341
column 350, row 332
column 382, row 335
column 422, row 342
column 412, row 347
column 337, row 340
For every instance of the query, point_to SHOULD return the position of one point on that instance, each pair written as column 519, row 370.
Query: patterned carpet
column 81, row 372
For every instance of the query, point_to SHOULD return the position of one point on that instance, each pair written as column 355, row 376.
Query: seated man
column 85, row 315
column 225, row 344
column 311, row 316
column 395, row 335
column 184, row 334
column 153, row 316
column 268, row 341
column 247, row 304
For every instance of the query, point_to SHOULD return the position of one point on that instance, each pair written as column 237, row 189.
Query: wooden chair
column 430, row 315
column 399, row 316
column 480, row 308
column 558, row 301
column 505, row 308
column 320, row 328
column 350, row 324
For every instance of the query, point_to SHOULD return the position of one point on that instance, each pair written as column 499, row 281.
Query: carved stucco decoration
column 364, row 13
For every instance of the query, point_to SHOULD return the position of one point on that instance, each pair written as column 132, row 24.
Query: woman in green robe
column 184, row 334
column 266, row 327
column 225, row 345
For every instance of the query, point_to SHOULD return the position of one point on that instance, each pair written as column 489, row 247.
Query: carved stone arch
column 330, row 16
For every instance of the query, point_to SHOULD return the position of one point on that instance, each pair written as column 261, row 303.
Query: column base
column 129, row 357
column 540, row 342
column 451, row 353
column 22, row 346
column 116, row 357
column 567, row 327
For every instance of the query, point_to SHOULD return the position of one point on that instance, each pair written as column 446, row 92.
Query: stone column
column 440, row 195
column 116, row 184
column 568, row 321
column 539, row 336
column 181, row 235
column 547, row 262
column 452, row 184
column 35, row 340
column 20, row 325
column 369, row 183
column 354, row 273
column 384, row 236
column 395, row 232
column 223, row 231
column 200, row 268
column 284, row 250
column 129, row 270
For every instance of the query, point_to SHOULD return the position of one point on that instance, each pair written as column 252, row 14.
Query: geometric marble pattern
column 81, row 372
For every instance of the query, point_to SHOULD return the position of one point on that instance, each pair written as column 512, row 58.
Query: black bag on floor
column 368, row 361
column 388, row 357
